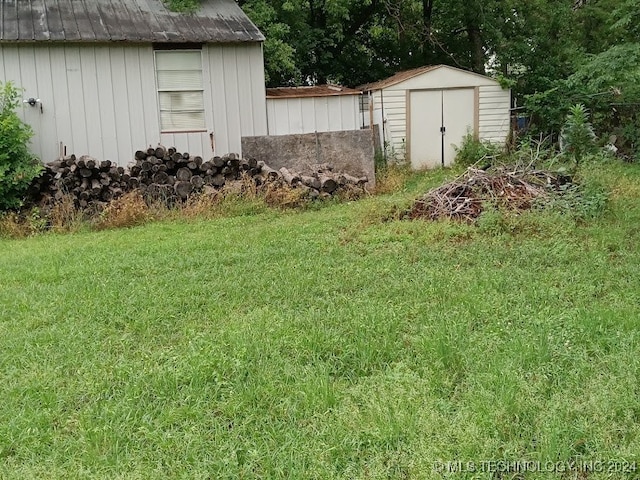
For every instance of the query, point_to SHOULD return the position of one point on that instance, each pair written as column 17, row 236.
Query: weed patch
column 127, row 211
column 392, row 178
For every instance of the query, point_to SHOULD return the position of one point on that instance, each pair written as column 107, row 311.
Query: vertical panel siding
column 243, row 75
column 101, row 100
column 77, row 107
column 236, row 100
column 218, row 99
column 135, row 77
column 60, row 101
column 321, row 114
column 312, row 114
column 256, row 85
column 91, row 96
column 148, row 100
column 232, row 93
column 108, row 135
column 29, row 82
column 22, row 70
column 124, row 134
column 350, row 112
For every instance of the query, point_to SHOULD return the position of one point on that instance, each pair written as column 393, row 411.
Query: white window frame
column 194, row 129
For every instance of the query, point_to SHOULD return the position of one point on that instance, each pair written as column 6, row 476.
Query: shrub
column 18, row 167
column 472, row 151
column 577, row 137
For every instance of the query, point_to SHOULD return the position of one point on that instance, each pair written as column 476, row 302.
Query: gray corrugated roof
column 123, row 20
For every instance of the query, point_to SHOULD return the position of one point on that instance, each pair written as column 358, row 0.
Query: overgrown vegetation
column 476, row 152
column 18, row 167
column 608, row 85
column 577, row 138
column 134, row 208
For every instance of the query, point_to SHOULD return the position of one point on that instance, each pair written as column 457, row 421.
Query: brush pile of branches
column 513, row 188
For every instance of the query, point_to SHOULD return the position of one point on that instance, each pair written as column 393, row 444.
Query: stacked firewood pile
column 319, row 180
column 170, row 176
column 88, row 180
column 464, row 198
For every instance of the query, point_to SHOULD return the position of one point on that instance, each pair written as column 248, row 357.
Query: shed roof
column 314, row 91
column 123, row 20
column 407, row 74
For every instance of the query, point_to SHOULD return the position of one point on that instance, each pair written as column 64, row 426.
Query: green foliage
column 183, row 6
column 577, row 138
column 357, row 41
column 581, row 202
column 608, row 84
column 18, row 167
column 473, row 151
column 536, row 152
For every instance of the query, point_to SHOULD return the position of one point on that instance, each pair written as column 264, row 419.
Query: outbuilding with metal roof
column 109, row 77
column 423, row 114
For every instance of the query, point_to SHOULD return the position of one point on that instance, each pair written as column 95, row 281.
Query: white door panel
column 458, row 116
column 426, row 119
column 430, row 110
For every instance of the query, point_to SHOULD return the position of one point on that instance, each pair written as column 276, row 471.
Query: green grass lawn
column 325, row 344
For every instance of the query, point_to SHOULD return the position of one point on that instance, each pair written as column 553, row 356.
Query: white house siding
column 391, row 103
column 493, row 104
column 101, row 100
column 494, row 108
column 313, row 114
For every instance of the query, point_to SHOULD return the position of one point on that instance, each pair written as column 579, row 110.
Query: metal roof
column 314, row 91
column 123, row 20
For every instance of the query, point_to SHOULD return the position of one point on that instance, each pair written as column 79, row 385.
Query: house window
column 180, row 90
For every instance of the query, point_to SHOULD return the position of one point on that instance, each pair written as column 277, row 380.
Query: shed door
column 439, row 119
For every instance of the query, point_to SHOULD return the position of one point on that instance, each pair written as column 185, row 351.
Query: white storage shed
column 320, row 108
column 424, row 113
column 109, row 77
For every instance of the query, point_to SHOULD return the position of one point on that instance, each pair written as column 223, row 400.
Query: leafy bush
column 608, row 84
column 18, row 167
column 472, row 151
column 577, row 137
